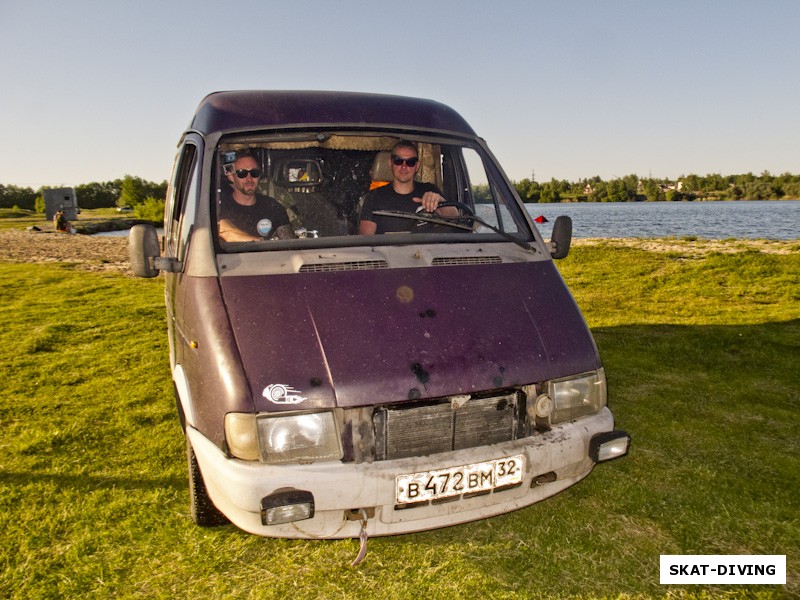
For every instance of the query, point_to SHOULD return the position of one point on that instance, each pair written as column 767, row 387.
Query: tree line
column 128, row 191
column 631, row 188
column 147, row 196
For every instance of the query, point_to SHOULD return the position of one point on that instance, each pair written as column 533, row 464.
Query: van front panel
column 388, row 335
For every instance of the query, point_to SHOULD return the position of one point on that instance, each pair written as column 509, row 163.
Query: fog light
column 544, row 479
column 286, row 506
column 608, row 445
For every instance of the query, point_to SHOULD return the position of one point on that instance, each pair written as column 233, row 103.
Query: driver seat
column 380, row 173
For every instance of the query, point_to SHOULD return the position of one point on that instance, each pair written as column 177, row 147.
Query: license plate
column 466, row 479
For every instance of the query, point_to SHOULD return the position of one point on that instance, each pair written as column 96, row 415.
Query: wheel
column 204, row 513
column 464, row 209
column 464, row 219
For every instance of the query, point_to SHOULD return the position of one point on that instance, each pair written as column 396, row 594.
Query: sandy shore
column 92, row 253
column 694, row 248
column 98, row 253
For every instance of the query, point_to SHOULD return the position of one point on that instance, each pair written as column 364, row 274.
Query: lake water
column 122, row 233
column 763, row 219
column 767, row 219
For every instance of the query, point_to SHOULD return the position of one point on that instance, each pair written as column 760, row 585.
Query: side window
column 490, row 203
column 184, row 189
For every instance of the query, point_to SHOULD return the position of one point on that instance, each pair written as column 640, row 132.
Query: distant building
column 678, row 186
column 57, row 199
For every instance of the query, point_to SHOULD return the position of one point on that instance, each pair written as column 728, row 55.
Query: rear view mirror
column 143, row 247
column 561, row 237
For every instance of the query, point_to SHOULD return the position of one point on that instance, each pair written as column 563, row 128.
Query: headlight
column 283, row 438
column 301, row 437
column 575, row 397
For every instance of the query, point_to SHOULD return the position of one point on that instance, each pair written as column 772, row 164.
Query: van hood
column 313, row 340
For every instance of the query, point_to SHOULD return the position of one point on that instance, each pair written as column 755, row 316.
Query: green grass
column 702, row 358
column 90, row 220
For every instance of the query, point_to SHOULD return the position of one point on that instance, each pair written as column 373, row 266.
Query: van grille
column 403, row 431
column 466, row 260
column 361, row 265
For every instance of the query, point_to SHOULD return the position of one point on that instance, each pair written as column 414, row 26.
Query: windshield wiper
column 453, row 222
column 426, row 217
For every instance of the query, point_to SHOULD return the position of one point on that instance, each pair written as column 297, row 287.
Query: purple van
column 332, row 383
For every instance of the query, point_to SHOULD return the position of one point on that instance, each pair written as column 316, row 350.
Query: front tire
column 204, row 513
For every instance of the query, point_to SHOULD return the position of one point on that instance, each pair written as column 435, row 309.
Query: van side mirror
column 561, row 237
column 143, row 249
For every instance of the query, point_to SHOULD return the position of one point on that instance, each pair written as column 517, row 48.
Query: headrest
column 381, row 168
column 298, row 173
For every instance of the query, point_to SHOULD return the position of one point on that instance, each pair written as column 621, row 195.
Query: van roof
column 242, row 110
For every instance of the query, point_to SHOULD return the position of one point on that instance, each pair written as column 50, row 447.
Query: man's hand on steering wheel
column 435, row 203
column 430, row 201
column 456, row 212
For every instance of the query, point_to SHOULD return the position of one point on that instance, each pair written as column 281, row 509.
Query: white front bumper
column 340, row 489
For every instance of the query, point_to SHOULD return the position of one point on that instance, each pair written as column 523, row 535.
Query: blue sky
column 95, row 90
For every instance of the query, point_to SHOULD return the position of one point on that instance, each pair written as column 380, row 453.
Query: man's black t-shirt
column 385, row 198
column 262, row 219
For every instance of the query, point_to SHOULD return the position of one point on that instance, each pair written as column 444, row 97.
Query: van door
column 179, row 220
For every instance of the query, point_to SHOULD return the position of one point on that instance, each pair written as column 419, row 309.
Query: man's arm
column 230, row 233
column 366, row 227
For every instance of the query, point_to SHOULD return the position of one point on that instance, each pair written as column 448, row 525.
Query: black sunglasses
column 397, row 161
column 254, row 173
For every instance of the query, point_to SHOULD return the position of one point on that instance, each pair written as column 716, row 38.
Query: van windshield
column 329, row 186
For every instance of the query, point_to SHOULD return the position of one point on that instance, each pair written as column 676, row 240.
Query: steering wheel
column 465, row 209
column 465, row 217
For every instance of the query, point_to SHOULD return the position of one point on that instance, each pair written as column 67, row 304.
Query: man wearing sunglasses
column 244, row 215
column 404, row 194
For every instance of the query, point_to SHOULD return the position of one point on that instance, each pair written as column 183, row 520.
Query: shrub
column 152, row 209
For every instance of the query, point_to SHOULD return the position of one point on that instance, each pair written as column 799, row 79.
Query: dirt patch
column 92, row 253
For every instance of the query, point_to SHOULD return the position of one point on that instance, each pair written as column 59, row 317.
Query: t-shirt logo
column 264, row 226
